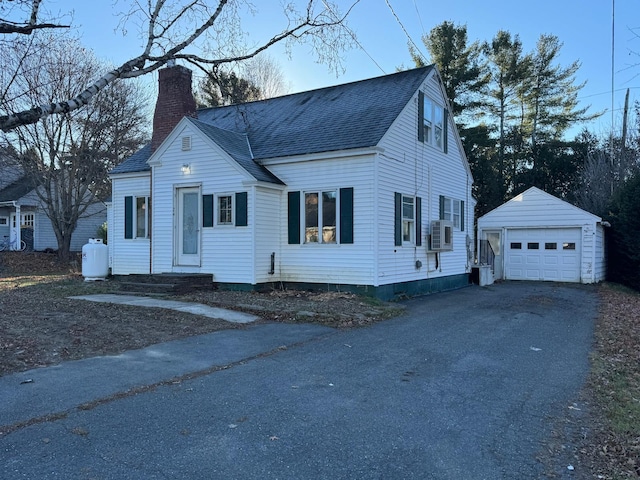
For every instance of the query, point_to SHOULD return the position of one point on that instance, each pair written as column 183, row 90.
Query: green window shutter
column 441, row 207
column 445, row 131
column 346, row 215
column 128, row 217
column 418, row 221
column 398, row 220
column 242, row 215
column 293, row 211
column 420, row 117
column 462, row 215
column 207, row 210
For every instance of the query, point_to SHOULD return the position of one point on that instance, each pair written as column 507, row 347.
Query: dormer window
column 432, row 123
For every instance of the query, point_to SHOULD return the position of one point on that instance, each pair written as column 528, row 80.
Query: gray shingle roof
column 342, row 117
column 136, row 162
column 17, row 189
column 237, row 146
column 353, row 115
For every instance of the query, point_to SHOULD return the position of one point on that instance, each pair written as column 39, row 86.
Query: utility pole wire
column 353, row 37
column 613, row 42
column 405, row 30
column 419, row 17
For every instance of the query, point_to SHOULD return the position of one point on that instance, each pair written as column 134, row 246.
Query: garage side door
column 549, row 254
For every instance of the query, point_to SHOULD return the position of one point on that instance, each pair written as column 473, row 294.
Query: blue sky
column 585, row 28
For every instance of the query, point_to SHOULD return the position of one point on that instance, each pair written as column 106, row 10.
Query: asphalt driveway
column 466, row 385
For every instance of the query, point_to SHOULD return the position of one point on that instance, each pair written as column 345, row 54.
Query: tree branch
column 159, row 37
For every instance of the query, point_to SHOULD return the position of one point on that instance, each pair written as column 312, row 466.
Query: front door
column 188, row 227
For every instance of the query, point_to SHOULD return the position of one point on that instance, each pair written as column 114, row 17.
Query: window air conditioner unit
column 441, row 235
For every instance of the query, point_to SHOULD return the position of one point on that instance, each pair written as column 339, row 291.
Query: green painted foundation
column 395, row 291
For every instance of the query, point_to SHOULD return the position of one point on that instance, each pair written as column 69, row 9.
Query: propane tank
column 95, row 260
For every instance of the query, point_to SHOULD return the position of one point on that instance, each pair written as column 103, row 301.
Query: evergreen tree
column 623, row 241
column 223, row 87
column 550, row 94
column 507, row 66
column 459, row 64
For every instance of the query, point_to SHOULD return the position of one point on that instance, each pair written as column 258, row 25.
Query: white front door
column 187, row 227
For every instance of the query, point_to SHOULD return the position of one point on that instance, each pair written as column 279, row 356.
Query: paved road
column 466, row 385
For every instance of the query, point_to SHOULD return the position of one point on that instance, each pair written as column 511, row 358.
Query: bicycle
column 7, row 244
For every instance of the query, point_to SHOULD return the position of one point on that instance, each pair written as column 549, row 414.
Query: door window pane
column 190, row 223
column 533, row 245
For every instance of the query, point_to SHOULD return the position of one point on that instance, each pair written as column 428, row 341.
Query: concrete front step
column 166, row 283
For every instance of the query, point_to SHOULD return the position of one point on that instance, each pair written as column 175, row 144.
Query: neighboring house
column 362, row 187
column 536, row 236
column 19, row 200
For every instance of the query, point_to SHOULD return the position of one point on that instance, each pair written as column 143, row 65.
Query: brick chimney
column 175, row 100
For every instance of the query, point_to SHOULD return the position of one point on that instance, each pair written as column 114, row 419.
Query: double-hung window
column 136, row 217
column 432, row 123
column 428, row 120
column 408, row 219
column 452, row 210
column 320, row 217
column 230, row 209
column 225, row 210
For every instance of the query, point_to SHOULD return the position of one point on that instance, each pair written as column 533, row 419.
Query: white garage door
column 551, row 254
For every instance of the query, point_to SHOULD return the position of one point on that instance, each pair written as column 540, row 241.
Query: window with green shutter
column 407, row 220
column 136, row 217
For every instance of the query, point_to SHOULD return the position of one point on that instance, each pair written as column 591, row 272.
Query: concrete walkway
column 195, row 308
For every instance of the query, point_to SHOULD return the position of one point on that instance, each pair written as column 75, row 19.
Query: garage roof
column 536, row 208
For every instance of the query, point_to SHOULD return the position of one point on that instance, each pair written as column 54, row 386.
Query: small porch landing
column 165, row 283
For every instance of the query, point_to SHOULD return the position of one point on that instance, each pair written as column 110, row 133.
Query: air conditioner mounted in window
column 441, row 236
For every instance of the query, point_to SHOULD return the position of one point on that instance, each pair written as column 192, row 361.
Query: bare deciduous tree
column 68, row 156
column 177, row 29
column 266, row 74
column 27, row 13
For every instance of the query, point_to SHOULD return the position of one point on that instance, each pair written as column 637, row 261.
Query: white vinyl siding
column 131, row 256
column 226, row 253
column 414, row 167
column 268, row 233
column 331, row 262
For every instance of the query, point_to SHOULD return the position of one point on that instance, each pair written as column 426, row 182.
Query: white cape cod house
column 362, row 187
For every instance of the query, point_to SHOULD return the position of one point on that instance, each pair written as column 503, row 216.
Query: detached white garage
column 536, row 236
